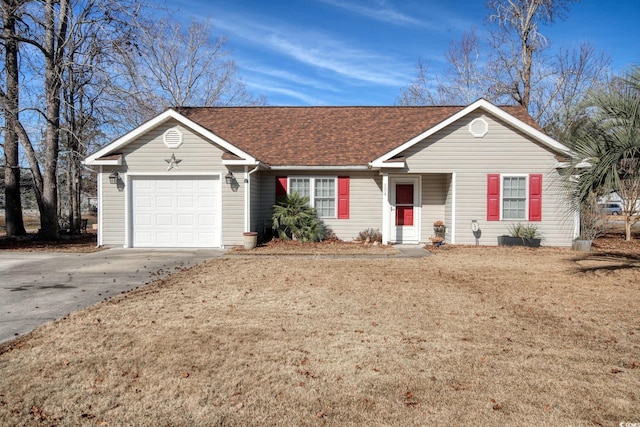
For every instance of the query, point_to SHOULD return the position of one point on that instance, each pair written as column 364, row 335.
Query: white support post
column 453, row 208
column 386, row 210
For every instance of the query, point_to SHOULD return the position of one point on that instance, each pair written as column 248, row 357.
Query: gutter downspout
column 247, row 197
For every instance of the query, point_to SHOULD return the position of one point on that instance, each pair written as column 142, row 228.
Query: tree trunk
column 627, row 228
column 13, row 200
column 54, row 47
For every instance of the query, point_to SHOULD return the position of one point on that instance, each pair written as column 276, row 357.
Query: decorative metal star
column 173, row 162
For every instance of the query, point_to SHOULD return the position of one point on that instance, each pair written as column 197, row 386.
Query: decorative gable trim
column 172, row 138
column 485, row 105
column 157, row 121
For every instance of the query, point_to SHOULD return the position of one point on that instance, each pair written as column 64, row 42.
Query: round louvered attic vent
column 172, row 138
column 478, row 128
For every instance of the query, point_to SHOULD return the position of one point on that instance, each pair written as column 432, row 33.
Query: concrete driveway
column 37, row 287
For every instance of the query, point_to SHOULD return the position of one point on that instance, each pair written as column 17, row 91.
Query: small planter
column 518, row 241
column 581, row 245
column 250, row 239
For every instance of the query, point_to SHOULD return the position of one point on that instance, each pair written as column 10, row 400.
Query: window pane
column 325, row 196
column 300, row 186
column 514, row 197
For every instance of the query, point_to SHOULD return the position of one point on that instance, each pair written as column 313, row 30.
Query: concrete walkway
column 411, row 251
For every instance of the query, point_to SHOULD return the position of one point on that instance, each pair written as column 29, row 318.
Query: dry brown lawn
column 469, row 336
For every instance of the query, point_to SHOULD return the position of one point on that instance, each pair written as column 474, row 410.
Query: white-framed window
column 514, row 197
column 321, row 192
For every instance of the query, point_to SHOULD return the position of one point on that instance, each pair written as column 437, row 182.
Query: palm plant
column 606, row 143
column 293, row 218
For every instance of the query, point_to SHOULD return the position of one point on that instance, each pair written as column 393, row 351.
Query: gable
column 523, row 125
column 149, row 152
column 117, row 146
column 454, row 147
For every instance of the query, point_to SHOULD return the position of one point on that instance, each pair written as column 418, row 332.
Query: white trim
column 239, row 162
column 157, row 121
column 453, row 207
column 116, row 162
column 390, row 165
column 128, row 243
column 416, row 181
column 489, row 108
column 386, row 209
column 100, row 207
column 485, row 129
column 173, row 145
column 526, row 195
column 320, row 168
column 246, row 198
column 312, row 187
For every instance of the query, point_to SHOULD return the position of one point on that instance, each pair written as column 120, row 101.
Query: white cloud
column 382, row 13
column 315, row 49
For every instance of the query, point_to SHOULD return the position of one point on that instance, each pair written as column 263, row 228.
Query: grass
column 469, row 336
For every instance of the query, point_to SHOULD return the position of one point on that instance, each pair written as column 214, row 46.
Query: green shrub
column 524, row 231
column 294, row 219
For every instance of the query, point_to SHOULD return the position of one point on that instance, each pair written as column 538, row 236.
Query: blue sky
column 362, row 52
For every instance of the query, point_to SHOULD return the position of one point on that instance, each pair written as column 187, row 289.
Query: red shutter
column 281, row 186
column 535, row 197
column 493, row 197
column 343, row 197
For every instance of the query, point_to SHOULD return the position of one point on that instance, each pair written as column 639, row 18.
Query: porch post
column 247, row 200
column 453, row 208
column 386, row 209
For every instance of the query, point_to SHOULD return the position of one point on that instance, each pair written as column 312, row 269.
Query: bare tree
column 465, row 81
column 520, row 68
column 423, row 90
column 10, row 102
column 189, row 67
column 517, row 42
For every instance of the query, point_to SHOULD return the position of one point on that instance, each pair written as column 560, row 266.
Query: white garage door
column 176, row 212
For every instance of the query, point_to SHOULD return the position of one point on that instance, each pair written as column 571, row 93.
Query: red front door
column 404, row 204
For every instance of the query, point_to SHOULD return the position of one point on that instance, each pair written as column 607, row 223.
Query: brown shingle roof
column 322, row 136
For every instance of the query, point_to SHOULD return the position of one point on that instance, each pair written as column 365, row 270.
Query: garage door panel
column 164, row 202
column 164, row 219
column 164, row 184
column 176, row 211
column 186, row 220
column 186, row 202
column 143, row 202
column 206, row 220
column 142, row 220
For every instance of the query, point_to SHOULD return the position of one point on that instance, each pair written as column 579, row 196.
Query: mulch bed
column 31, row 243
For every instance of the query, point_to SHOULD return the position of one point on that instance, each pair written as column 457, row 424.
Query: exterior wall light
column 113, row 177
column 228, row 178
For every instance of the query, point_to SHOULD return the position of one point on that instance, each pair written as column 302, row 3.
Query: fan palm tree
column 606, row 142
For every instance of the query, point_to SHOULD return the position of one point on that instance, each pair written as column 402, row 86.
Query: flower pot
column 518, row 241
column 581, row 245
column 250, row 239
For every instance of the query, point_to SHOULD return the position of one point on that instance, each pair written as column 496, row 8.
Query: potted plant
column 521, row 235
column 591, row 224
column 437, row 241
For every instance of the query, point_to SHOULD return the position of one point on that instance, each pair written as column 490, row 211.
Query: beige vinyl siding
column 112, row 207
column 365, row 201
column 503, row 150
column 434, row 194
column 148, row 155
